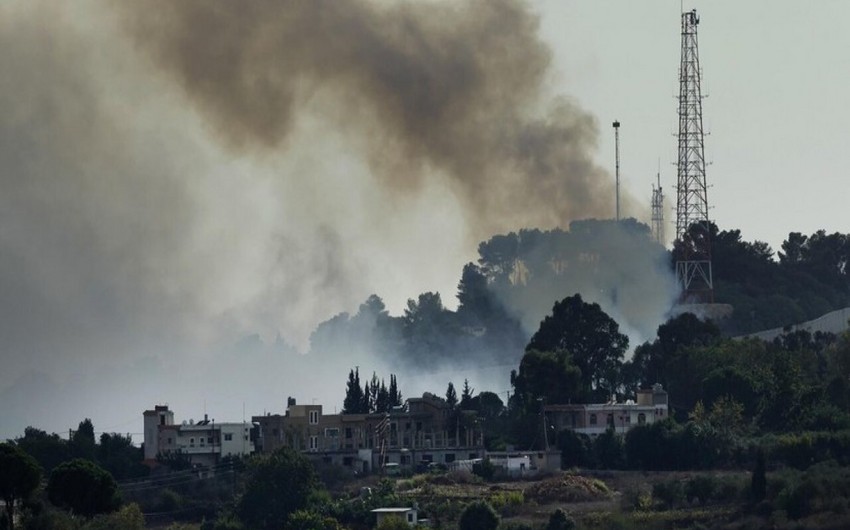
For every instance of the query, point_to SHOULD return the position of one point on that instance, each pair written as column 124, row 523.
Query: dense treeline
column 806, row 279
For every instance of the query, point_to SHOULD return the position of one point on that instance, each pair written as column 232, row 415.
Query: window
column 331, row 433
column 610, row 420
column 191, row 442
column 314, row 417
column 628, row 418
column 641, row 418
column 169, row 440
column 209, row 440
column 450, row 457
column 410, row 517
column 593, row 419
column 348, row 432
column 228, row 437
column 314, row 443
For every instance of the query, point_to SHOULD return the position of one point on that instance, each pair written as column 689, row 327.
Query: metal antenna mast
column 658, row 210
column 693, row 235
column 617, row 163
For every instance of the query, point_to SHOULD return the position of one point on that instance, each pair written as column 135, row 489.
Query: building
column 409, row 515
column 204, row 442
column 425, row 430
column 594, row 419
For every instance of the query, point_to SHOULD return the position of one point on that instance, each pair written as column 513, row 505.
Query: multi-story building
column 204, row 442
column 650, row 406
column 425, row 430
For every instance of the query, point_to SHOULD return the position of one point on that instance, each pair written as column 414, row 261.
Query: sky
column 178, row 213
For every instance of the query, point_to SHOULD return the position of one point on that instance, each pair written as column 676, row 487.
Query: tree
column 353, row 402
column 478, row 515
column 48, row 449
column 278, row 484
column 466, row 395
column 548, row 375
column 395, row 395
column 591, row 337
column 19, row 478
column 83, row 487
column 451, row 396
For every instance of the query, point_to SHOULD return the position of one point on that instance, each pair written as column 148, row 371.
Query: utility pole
column 616, row 125
column 693, row 228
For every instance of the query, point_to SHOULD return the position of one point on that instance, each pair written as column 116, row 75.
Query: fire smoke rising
column 179, row 175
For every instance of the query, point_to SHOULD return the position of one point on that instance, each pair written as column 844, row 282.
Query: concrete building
column 650, row 406
column 204, row 442
column 424, row 431
column 408, row 515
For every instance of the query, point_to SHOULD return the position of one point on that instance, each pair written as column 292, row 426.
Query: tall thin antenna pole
column 658, row 208
column 693, row 228
column 617, row 164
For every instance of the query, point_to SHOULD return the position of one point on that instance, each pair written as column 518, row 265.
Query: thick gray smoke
column 179, row 175
column 451, row 91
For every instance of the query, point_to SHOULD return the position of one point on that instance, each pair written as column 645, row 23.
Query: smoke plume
column 452, row 91
column 179, row 175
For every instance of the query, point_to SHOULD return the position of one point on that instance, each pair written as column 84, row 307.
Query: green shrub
column 507, row 502
column 701, row 488
column 484, row 469
column 669, row 493
column 478, row 515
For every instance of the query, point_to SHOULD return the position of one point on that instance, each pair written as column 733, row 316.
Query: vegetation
column 19, row 478
column 83, row 487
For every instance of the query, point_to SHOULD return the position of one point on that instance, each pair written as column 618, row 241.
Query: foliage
column 20, row 475
column 393, row 523
column 593, row 340
column 478, row 515
column 48, row 449
column 758, row 483
column 278, row 484
column 307, row 520
column 559, row 520
column 507, row 503
column 670, row 492
column 484, row 469
column 128, row 517
column 83, row 487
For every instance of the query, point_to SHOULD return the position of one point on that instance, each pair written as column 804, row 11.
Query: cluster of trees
column 809, row 278
column 79, row 485
column 114, row 452
column 373, row 396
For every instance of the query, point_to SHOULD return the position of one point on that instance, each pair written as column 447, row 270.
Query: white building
column 409, row 515
column 594, row 419
column 204, row 442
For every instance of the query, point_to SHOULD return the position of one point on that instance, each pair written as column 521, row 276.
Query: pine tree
column 395, row 395
column 382, row 401
column 353, row 402
column 451, row 396
column 466, row 395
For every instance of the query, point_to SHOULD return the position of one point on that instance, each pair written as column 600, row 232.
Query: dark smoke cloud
column 443, row 90
column 176, row 176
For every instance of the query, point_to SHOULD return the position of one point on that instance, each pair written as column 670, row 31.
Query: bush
column 478, row 515
column 484, row 469
column 701, row 487
column 669, row 493
column 559, row 520
column 507, row 503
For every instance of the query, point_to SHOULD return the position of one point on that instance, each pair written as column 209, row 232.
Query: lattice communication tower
column 693, row 232
column 658, row 210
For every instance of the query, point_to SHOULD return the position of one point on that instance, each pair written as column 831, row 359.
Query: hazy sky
column 155, row 210
column 776, row 73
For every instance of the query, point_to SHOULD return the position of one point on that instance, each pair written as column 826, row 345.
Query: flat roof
column 391, row 510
